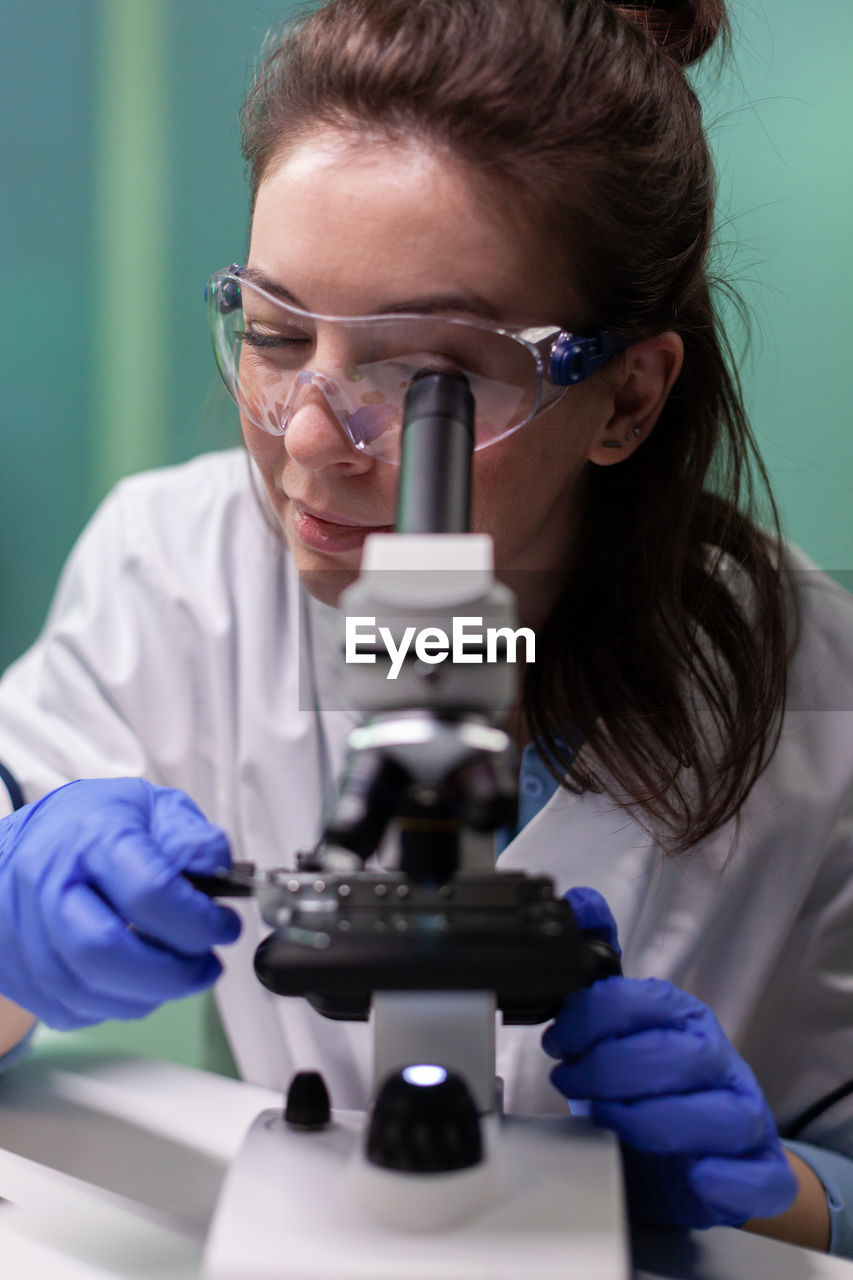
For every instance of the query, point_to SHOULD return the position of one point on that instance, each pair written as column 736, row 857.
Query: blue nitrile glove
column 700, row 1146
column 96, row 919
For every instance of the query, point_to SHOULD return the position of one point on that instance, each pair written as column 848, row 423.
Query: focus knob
column 307, row 1101
column 424, row 1121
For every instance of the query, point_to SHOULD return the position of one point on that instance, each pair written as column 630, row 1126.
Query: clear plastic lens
column 268, row 353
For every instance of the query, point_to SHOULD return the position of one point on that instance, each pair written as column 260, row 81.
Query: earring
column 633, row 433
column 610, row 444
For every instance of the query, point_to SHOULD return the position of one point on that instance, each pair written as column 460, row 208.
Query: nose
column 314, row 437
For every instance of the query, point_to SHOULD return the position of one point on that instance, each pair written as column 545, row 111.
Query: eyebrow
column 432, row 304
column 469, row 303
column 263, row 282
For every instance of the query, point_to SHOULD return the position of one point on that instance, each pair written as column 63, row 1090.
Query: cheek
column 505, row 497
column 524, row 487
column 266, row 450
column 521, row 475
column 493, row 476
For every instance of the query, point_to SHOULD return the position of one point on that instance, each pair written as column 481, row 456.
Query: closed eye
column 255, row 338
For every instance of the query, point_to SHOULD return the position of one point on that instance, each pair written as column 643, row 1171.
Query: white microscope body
column 433, row 950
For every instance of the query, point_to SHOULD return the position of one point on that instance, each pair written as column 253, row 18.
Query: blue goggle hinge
column 574, row 359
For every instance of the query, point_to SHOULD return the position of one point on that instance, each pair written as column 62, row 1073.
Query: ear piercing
column 617, row 444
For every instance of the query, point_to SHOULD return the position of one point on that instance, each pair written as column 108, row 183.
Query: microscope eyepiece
column 436, row 446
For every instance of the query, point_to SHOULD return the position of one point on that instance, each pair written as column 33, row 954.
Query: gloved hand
column 96, row 919
column 699, row 1144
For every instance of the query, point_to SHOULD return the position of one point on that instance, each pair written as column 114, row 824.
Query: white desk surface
column 136, row 1150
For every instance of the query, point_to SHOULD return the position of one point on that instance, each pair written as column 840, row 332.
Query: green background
column 121, row 190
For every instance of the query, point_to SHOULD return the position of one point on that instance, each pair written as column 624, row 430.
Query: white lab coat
column 172, row 650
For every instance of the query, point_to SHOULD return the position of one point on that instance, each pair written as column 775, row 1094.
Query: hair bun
column 685, row 29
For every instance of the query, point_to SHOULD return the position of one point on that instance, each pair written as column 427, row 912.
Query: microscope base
column 306, row 1206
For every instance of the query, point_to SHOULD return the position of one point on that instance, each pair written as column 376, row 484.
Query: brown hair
column 672, row 666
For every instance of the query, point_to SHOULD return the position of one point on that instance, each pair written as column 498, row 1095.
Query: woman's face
column 353, row 228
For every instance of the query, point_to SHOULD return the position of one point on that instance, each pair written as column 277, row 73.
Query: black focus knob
column 307, row 1101
column 424, row 1121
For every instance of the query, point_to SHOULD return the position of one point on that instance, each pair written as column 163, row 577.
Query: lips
column 333, row 518
column 329, row 531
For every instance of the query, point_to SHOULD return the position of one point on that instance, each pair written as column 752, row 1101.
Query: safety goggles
column 273, row 355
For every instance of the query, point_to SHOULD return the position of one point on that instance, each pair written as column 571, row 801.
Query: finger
column 760, row 1186
column 709, row 1122
column 114, row 961
column 618, row 1007
column 650, row 1063
column 106, row 829
column 147, row 889
column 184, row 834
column 593, row 915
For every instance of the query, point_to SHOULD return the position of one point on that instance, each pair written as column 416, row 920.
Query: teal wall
column 781, row 122
column 121, row 189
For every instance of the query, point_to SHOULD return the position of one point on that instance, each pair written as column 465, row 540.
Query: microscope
column 431, row 943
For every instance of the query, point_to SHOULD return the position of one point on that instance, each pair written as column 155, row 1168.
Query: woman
column 469, row 181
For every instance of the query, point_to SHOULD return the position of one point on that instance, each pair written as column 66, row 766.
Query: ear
column 648, row 371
